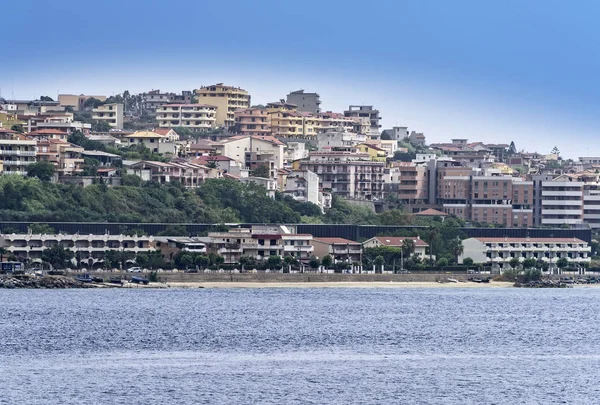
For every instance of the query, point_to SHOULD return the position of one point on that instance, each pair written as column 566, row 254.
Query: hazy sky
column 514, row 70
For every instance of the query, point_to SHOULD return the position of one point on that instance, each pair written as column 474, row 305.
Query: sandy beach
column 339, row 284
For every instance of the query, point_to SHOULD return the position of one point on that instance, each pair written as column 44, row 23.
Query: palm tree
column 434, row 233
column 456, row 248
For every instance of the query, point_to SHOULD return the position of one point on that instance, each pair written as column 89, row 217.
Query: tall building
column 111, row 113
column 227, row 99
column 349, row 174
column 16, row 154
column 365, row 111
column 197, row 117
column 306, row 102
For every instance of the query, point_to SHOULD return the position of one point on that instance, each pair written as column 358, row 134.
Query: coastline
column 329, row 284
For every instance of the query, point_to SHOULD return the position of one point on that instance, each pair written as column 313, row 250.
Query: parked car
column 134, row 269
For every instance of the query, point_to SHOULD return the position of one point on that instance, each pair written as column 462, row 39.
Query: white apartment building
column 351, row 175
column 198, row 117
column 253, row 151
column 562, row 202
column 111, row 113
column 498, row 252
column 260, row 242
column 303, row 185
column 89, row 249
column 16, row 155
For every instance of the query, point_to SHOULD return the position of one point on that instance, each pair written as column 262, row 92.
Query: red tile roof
column 399, row 240
column 47, row 132
column 430, row 212
column 332, row 241
column 163, row 131
column 6, row 131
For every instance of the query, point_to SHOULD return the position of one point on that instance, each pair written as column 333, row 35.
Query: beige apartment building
column 349, row 174
column 111, row 113
column 410, row 183
column 227, row 99
column 76, row 101
column 197, row 117
column 66, row 157
column 253, row 121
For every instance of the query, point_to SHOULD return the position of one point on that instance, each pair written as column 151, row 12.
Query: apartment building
column 252, row 121
column 44, row 134
column 66, row 157
column 302, row 185
column 197, row 117
column 498, row 252
column 366, row 111
column 341, row 250
column 89, row 250
column 157, row 143
column 253, row 151
column 111, row 113
column 376, row 153
column 76, row 102
column 332, row 139
column 260, row 242
column 395, row 134
column 227, row 99
column 349, row 174
column 190, row 175
column 332, row 121
column 306, row 102
column 562, row 201
column 17, row 154
column 410, row 182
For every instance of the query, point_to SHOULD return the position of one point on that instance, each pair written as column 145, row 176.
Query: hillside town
column 293, row 147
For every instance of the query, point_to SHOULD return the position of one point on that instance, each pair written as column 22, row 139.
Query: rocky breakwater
column 27, row 281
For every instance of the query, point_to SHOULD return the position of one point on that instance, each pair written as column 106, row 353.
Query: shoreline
column 329, row 284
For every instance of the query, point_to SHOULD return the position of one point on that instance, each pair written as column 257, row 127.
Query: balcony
column 17, row 162
column 17, row 153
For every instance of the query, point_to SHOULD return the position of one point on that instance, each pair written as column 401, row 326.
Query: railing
column 17, row 153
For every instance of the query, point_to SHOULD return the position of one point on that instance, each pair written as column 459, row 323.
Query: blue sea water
column 300, row 346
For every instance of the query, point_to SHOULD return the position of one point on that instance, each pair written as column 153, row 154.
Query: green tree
column 183, row 260
column 274, row 262
column 562, row 263
column 42, row 170
column 244, row 261
column 528, row 263
column 131, row 180
column 290, row 261
column 173, row 230
column 456, row 248
column 314, row 263
column 379, row 262
column 467, row 261
column 18, row 128
column 46, row 98
column 57, row 256
column 261, row 171
column 202, row 261
column 327, row 261
column 514, row 262
column 91, row 103
column 443, row 262
column 41, row 229
column 408, row 247
column 101, row 126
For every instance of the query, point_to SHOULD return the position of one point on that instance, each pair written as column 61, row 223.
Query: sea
column 300, row 346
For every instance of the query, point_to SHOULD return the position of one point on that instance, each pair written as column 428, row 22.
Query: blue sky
column 513, row 70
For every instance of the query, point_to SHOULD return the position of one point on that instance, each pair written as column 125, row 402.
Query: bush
column 467, row 261
column 443, row 262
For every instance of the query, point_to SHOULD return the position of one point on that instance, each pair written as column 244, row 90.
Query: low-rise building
column 341, row 250
column 155, row 142
column 376, row 153
column 190, row 175
column 397, row 242
column 76, row 102
column 111, row 113
column 90, row 250
column 498, row 252
column 253, row 151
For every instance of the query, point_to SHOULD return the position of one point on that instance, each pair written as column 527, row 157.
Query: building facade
column 227, row 99
column 197, row 117
column 110, row 113
column 306, row 102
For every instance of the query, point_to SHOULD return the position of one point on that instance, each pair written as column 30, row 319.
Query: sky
column 511, row 70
